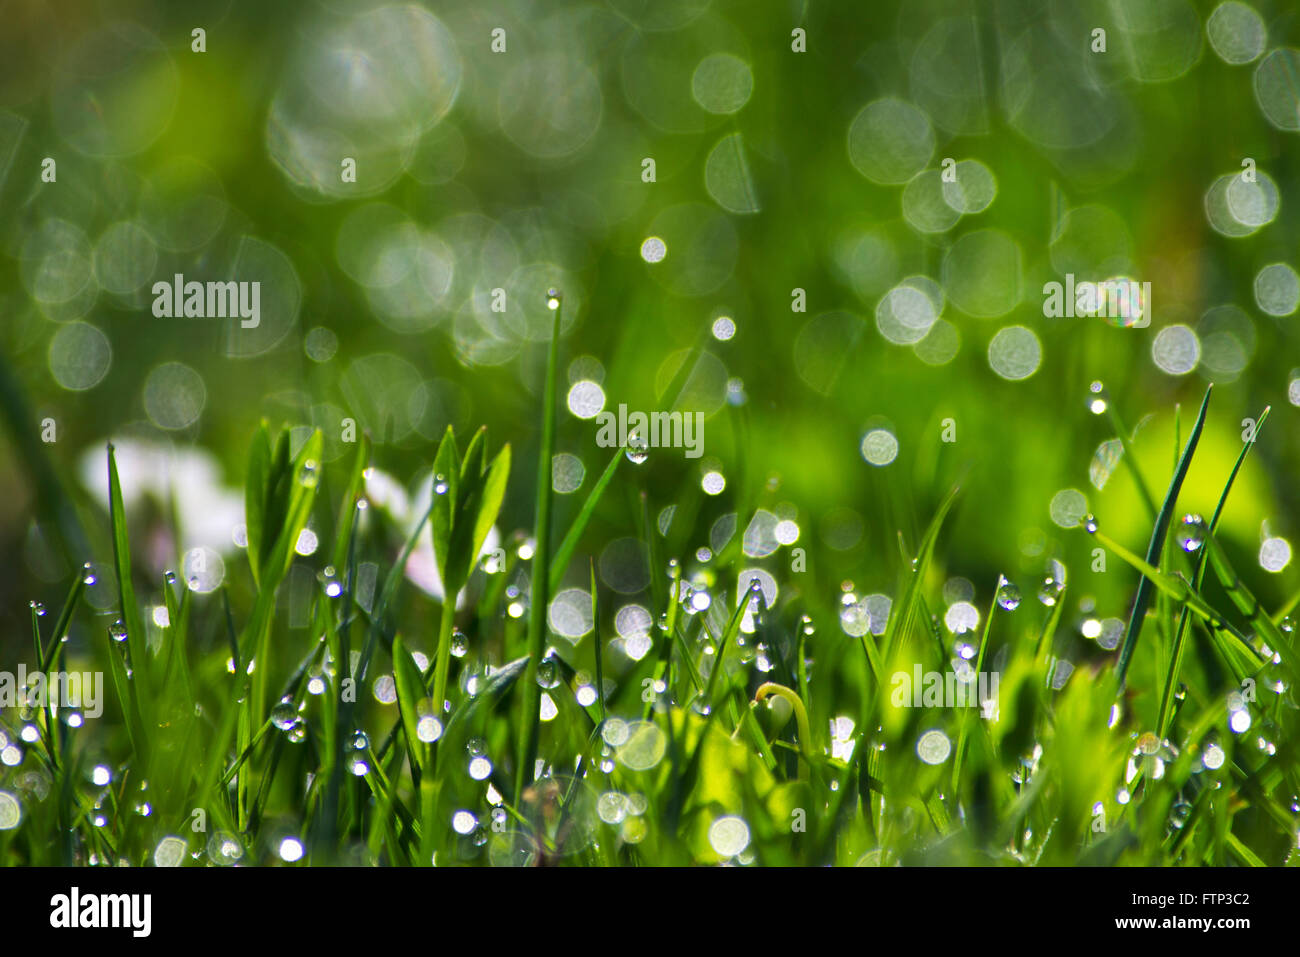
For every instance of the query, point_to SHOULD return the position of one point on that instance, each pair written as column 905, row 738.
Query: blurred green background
column 775, row 170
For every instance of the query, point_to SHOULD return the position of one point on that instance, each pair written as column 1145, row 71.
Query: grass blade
column 1146, row 586
column 564, row 554
column 1176, row 657
column 900, row 621
column 530, row 715
column 138, row 694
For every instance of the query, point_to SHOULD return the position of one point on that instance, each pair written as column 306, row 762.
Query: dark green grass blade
column 46, row 661
column 597, row 644
column 1146, row 588
column 1176, row 657
column 564, row 554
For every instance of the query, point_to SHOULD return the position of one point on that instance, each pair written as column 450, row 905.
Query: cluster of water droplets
column 358, row 760
column 285, row 716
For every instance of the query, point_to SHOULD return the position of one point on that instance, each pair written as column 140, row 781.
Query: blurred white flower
column 386, row 493
column 189, row 479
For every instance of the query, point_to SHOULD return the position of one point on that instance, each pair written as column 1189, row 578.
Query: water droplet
column 933, row 747
column 428, row 729
column 1097, row 400
column 1050, row 591
column 476, row 747
column 170, row 852
column 170, row 577
column 548, row 674
column 552, row 299
column 1008, row 596
column 284, row 714
column 225, row 848
column 1178, row 814
column 440, row 484
column 359, row 741
column 1213, row 757
column 1191, row 534
column 88, row 574
column 1090, row 524
column 309, row 474
column 117, row 630
column 37, row 607
column 297, row 732
column 459, row 644
column 637, row 449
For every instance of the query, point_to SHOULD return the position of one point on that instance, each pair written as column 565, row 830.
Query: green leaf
column 481, row 493
column 474, row 464
column 442, row 514
column 489, row 507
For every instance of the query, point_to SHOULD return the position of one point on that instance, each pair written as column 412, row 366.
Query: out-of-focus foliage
column 828, row 228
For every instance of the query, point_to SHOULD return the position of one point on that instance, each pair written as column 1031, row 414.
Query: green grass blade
column 356, row 483
column 1176, row 656
column 138, row 688
column 1146, row 586
column 1232, row 643
column 598, row 649
column 564, row 554
column 979, row 668
column 530, row 714
column 728, row 635
column 410, row 692
column 256, row 482
column 901, row 619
